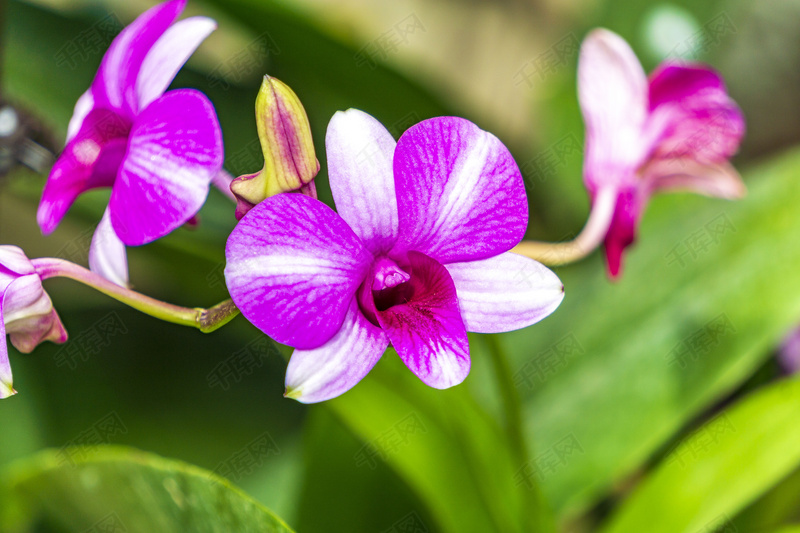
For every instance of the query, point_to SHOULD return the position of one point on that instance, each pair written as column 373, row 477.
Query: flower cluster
column 419, row 249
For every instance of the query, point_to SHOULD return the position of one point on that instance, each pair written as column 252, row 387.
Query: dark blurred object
column 23, row 141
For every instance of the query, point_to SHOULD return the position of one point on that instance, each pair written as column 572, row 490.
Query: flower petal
column 719, row 180
column 168, row 55
column 623, row 228
column 13, row 259
column 693, row 114
column 505, row 292
column 612, row 90
column 427, row 331
column 114, row 86
column 107, row 255
column 89, row 160
column 82, row 108
column 293, row 268
column 6, row 378
column 339, row 364
column 460, row 195
column 174, row 151
column 360, row 151
column 28, row 314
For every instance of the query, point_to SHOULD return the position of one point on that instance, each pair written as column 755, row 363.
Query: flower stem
column 590, row 237
column 222, row 181
column 206, row 320
column 538, row 516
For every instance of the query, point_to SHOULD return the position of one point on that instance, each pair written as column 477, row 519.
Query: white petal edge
column 338, row 365
column 6, row 379
column 360, row 151
column 82, row 107
column 168, row 55
column 505, row 292
column 107, row 255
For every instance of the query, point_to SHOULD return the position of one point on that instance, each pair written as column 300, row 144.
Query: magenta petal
column 91, row 159
column 293, row 268
column 107, row 254
column 427, row 331
column 623, row 228
column 460, row 195
column 339, row 364
column 114, row 85
column 360, row 152
column 168, row 55
column 696, row 117
column 174, row 151
column 505, row 292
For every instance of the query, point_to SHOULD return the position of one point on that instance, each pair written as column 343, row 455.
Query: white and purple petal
column 427, row 331
column 338, row 365
column 505, row 292
column 168, row 55
column 612, row 91
column 460, row 195
column 360, row 151
column 719, row 180
column 114, row 86
column 174, row 151
column 107, row 254
column 293, row 268
column 6, row 378
column 28, row 314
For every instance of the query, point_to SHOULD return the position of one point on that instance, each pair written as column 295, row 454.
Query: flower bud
column 26, row 311
column 290, row 163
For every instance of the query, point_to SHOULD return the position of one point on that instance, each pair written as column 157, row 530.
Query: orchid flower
column 675, row 131
column 416, row 256
column 157, row 151
column 26, row 312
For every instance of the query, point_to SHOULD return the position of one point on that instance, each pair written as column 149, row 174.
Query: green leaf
column 137, row 491
column 721, row 467
column 444, row 445
column 601, row 374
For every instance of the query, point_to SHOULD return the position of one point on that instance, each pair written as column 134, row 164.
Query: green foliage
column 103, row 488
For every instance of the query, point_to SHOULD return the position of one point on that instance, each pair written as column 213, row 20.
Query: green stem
column 540, row 519
column 206, row 320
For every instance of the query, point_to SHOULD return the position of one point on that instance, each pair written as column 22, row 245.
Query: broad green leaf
column 721, row 467
column 81, row 488
column 621, row 367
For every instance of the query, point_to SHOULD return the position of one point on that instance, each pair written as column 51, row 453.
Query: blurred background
column 652, row 404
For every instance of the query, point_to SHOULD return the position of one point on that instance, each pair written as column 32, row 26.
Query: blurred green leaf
column 621, row 367
column 129, row 489
column 342, row 493
column 720, row 467
column 445, row 446
column 770, row 511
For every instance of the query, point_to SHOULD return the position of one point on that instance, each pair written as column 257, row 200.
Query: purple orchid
column 675, row 131
column 416, row 256
column 157, row 151
column 26, row 312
